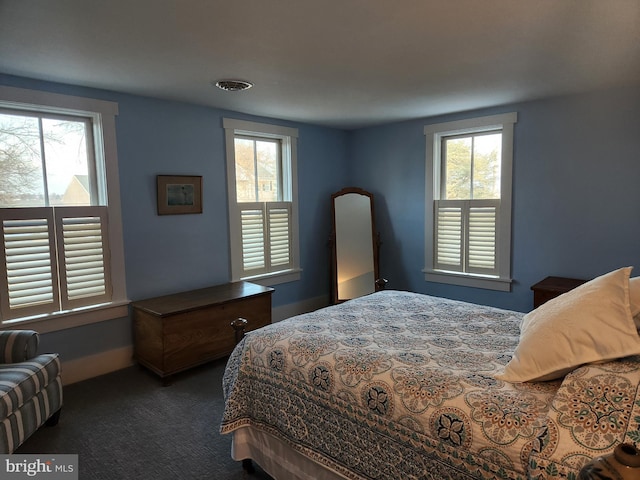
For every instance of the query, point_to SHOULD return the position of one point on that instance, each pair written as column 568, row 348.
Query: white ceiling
column 341, row 63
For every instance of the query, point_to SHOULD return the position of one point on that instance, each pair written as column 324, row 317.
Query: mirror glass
column 354, row 244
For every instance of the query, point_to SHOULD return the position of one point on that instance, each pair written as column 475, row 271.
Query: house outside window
column 468, row 202
column 61, row 253
column 263, row 207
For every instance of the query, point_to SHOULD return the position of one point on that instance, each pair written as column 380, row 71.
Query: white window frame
column 434, row 135
column 102, row 114
column 288, row 138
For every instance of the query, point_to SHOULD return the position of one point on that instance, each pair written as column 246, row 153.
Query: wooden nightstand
column 551, row 287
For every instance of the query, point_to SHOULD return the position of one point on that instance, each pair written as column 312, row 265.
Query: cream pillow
column 591, row 323
column 634, row 299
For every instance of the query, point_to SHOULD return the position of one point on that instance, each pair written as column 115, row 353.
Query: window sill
column 275, row 278
column 467, row 280
column 71, row 318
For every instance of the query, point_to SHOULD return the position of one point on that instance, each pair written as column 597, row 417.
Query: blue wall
column 576, row 207
column 576, row 204
column 167, row 254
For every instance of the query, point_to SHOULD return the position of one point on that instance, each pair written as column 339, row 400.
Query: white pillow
column 591, row 323
column 634, row 299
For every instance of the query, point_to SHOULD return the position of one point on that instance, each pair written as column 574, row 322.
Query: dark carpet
column 127, row 425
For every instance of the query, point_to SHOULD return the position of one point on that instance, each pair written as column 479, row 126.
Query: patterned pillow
column 591, row 323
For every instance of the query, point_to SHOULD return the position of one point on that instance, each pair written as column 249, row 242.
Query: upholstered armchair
column 30, row 388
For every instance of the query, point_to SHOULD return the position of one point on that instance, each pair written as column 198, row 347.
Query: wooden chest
column 175, row 332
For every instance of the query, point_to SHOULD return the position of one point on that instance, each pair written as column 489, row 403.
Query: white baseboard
column 106, row 362
column 94, row 365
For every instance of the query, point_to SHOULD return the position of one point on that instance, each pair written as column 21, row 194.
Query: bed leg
column 247, row 466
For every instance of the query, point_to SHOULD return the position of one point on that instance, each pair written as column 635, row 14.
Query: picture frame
column 179, row 194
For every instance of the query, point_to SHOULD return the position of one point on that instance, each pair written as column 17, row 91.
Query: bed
column 400, row 385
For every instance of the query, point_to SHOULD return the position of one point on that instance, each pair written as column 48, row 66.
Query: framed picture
column 179, row 194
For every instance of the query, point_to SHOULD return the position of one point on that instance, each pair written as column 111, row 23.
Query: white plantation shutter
column 266, row 236
column 252, row 221
column 29, row 280
column 280, row 234
column 39, row 278
column 82, row 246
column 448, row 233
column 465, row 235
column 482, row 227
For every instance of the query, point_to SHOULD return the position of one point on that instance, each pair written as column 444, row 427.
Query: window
column 468, row 195
column 60, row 229
column 263, row 210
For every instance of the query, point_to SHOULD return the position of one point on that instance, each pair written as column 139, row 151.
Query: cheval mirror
column 355, row 245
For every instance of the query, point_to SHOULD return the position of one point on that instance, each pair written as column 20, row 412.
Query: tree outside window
column 472, row 167
column 44, row 161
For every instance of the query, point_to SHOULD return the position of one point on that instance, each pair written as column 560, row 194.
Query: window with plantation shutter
column 61, row 253
column 468, row 214
column 261, row 179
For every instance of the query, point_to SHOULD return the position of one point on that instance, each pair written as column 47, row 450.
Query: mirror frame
column 375, row 241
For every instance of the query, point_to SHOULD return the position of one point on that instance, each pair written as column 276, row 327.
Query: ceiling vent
column 233, row 85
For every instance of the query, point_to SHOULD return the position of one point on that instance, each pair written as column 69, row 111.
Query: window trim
column 103, row 114
column 434, row 134
column 288, row 137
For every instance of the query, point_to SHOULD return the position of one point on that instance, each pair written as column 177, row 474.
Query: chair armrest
column 18, row 345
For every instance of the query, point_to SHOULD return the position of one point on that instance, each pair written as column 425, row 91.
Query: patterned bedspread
column 401, row 385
